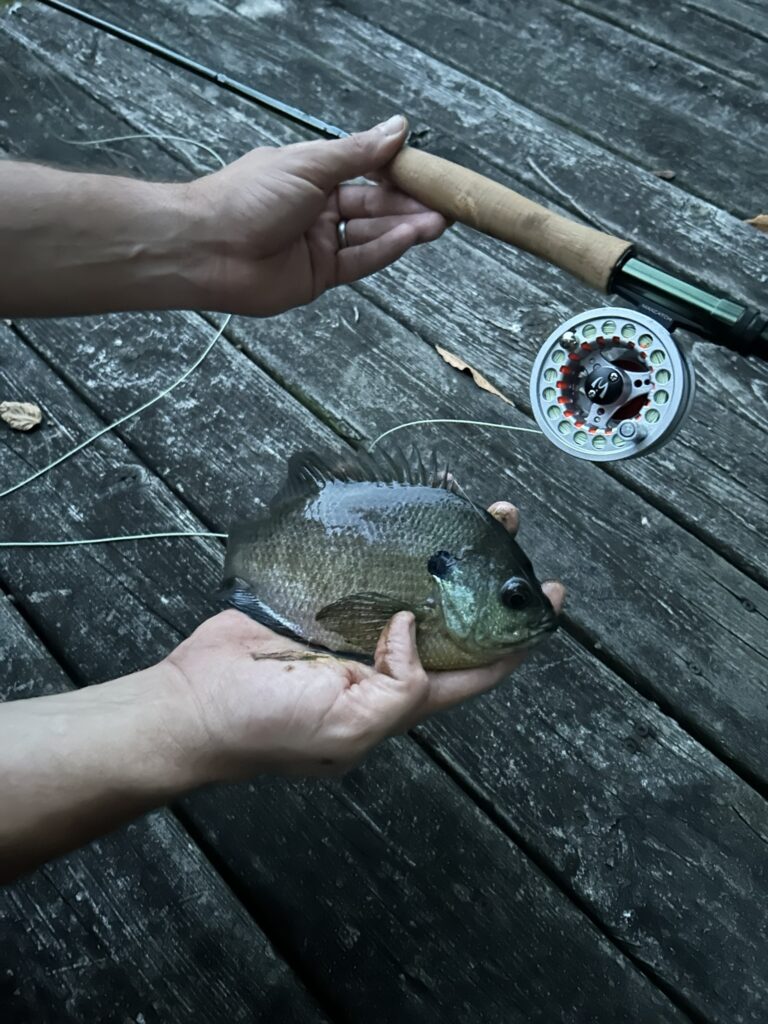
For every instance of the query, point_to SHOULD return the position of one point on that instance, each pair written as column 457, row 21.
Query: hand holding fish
column 232, row 700
column 267, row 704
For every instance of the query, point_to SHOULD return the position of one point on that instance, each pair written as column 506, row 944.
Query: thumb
column 399, row 687
column 358, row 154
column 396, row 653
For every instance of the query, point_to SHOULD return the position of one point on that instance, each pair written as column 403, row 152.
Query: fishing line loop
column 466, row 423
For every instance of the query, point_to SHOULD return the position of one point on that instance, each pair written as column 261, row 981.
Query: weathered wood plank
column 653, row 106
column 689, row 484
column 136, row 927
column 489, row 63
column 671, row 574
column 718, row 1005
column 749, row 15
column 384, row 874
column 690, row 30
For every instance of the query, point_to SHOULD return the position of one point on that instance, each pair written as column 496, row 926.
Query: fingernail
column 394, row 126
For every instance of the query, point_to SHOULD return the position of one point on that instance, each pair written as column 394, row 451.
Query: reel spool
column 610, row 384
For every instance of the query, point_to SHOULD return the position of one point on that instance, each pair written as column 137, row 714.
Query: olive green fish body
column 336, row 556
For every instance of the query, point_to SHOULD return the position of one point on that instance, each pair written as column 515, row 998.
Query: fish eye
column 440, row 564
column 516, row 594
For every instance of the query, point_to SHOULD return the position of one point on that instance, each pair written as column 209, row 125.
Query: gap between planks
column 636, row 31
column 716, row 11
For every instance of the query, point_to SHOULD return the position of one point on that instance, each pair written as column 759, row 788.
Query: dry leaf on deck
column 478, row 378
column 21, row 415
column 760, row 222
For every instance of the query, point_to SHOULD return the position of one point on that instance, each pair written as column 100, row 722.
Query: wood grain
column 690, row 29
column 644, row 854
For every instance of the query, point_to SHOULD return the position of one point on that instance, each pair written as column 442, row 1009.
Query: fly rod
column 607, row 384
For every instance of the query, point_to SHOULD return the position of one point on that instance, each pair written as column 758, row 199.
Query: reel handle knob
column 483, row 204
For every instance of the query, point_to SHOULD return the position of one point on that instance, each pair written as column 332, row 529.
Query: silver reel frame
column 609, row 384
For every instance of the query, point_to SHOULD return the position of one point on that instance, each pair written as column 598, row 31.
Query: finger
column 556, row 592
column 428, row 226
column 396, row 653
column 374, row 201
column 326, row 164
column 393, row 696
column 361, row 260
column 507, row 514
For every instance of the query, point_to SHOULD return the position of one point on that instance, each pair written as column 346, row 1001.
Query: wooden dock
column 589, row 843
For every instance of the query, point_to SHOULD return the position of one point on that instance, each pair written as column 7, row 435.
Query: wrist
column 74, row 243
column 145, row 254
column 153, row 730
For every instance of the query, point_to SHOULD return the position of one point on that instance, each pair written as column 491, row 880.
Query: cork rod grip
column 466, row 196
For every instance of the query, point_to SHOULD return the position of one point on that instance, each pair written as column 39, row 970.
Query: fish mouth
column 533, row 633
column 546, row 622
column 548, row 619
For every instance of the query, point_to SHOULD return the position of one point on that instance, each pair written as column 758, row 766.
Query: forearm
column 76, row 765
column 73, row 243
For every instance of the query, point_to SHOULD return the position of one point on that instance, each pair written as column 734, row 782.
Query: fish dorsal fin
column 309, row 472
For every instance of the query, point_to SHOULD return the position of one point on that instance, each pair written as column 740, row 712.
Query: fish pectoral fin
column 360, row 618
column 238, row 593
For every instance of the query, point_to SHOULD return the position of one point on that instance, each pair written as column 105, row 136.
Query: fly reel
column 610, row 384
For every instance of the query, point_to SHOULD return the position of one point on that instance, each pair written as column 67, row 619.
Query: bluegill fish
column 348, row 543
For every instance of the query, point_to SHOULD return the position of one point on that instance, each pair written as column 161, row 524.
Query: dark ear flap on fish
column 360, row 618
column 309, row 472
column 238, row 594
column 440, row 564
